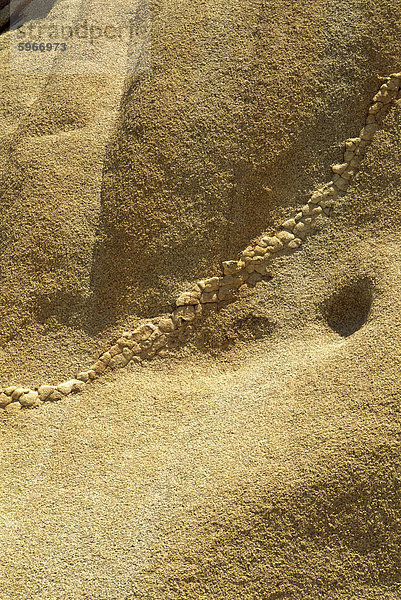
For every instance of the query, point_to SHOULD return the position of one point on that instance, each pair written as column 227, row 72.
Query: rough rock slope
column 261, row 460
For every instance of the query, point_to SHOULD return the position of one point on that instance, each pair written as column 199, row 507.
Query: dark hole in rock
column 348, row 309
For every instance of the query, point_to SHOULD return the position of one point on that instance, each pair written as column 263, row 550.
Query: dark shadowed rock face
column 15, row 13
column 4, row 15
column 192, row 173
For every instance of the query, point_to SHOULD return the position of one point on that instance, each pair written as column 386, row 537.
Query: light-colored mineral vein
column 153, row 336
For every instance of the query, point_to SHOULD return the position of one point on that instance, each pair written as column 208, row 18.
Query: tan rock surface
column 261, row 460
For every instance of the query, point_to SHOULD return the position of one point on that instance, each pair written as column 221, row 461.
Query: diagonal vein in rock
column 152, row 337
